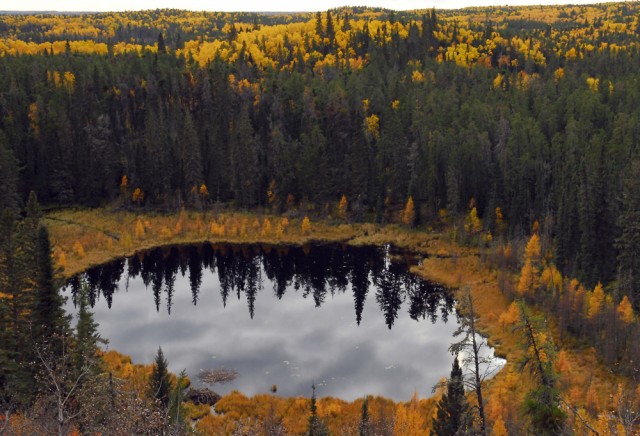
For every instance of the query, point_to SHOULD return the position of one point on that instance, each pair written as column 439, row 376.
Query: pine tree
column 162, row 47
column 49, row 317
column 628, row 243
column 453, row 413
column 319, row 27
column 176, row 412
column 190, row 154
column 364, row 427
column 87, row 336
column 330, row 32
column 160, row 382
column 542, row 402
column 316, row 426
column 18, row 255
column 8, row 178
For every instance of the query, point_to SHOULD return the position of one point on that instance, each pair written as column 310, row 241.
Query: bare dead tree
column 628, row 411
column 60, row 379
column 470, row 348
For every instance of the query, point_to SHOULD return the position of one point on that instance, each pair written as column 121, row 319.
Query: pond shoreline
column 80, row 241
column 241, row 300
column 443, row 262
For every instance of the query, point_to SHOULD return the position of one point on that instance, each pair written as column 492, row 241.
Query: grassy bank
column 83, row 238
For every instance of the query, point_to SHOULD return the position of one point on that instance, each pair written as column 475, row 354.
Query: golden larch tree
column 266, row 227
column 596, row 301
column 342, row 207
column 139, row 229
column 305, row 226
column 409, row 419
column 625, row 311
column 204, row 192
column 551, row 279
column 528, row 282
column 409, row 214
column 472, row 223
column 499, row 428
column 532, row 250
column 372, row 126
column 138, row 196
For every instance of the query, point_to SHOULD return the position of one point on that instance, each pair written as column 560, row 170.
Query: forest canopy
column 531, row 110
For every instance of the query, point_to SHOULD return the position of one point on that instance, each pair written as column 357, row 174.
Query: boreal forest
column 513, row 133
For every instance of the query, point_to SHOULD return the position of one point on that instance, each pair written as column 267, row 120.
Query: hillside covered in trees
column 530, row 110
column 498, row 121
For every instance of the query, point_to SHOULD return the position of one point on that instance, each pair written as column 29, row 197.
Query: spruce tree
column 542, row 403
column 316, row 426
column 364, row 428
column 162, row 47
column 87, row 336
column 8, row 178
column 453, row 411
column 160, row 382
column 628, row 244
column 49, row 317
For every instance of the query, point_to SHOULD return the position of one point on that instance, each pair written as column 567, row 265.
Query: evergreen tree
column 160, row 382
column 87, row 336
column 8, row 178
column 49, row 317
column 453, row 415
column 629, row 241
column 330, row 32
column 542, row 403
column 190, row 156
column 162, row 47
column 364, row 427
column 176, row 413
column 319, row 28
column 18, row 255
column 316, row 426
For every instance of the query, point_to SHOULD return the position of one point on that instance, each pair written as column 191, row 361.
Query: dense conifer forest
column 533, row 111
column 509, row 121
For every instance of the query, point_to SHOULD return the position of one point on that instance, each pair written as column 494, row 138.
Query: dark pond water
column 352, row 320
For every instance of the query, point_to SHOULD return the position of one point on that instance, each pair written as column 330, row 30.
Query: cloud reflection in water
column 279, row 317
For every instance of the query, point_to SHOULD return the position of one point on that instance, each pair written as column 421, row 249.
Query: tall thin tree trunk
column 476, row 362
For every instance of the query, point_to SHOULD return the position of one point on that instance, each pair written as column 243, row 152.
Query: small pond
column 352, row 320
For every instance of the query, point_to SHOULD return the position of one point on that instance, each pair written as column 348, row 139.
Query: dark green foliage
column 8, row 178
column 453, row 414
column 629, row 241
column 49, row 318
column 87, row 336
column 177, row 415
column 51, row 336
column 162, row 48
column 364, row 427
column 549, row 149
column 542, row 404
column 18, row 272
column 316, row 426
column 160, row 382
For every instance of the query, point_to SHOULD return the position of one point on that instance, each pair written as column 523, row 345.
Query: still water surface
column 352, row 320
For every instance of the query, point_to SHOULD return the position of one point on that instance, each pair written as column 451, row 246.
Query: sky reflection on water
column 284, row 317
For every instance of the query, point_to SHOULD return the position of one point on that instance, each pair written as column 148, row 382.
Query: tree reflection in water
column 313, row 271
